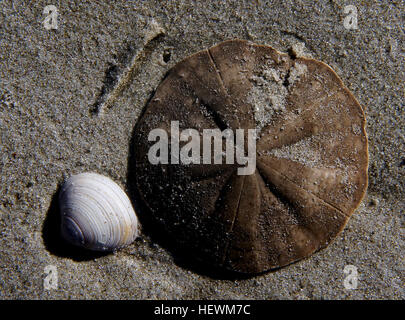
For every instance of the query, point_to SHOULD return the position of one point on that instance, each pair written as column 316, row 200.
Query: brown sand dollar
column 311, row 160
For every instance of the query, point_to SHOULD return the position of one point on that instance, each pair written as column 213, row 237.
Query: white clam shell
column 96, row 213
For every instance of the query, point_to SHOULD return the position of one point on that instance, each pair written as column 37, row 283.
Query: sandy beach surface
column 51, row 80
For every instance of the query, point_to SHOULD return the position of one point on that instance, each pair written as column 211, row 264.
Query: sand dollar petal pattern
column 311, row 163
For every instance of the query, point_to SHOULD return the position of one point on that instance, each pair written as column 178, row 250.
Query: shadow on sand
column 51, row 235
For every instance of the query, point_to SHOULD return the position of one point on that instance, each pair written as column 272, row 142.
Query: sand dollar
column 311, row 164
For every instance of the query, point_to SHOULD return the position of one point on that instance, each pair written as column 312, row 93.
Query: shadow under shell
column 311, row 161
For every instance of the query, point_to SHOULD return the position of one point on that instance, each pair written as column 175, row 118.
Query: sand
column 51, row 81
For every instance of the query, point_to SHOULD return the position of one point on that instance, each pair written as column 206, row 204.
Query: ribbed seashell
column 96, row 213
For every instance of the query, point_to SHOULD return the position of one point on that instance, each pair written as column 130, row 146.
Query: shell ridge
column 280, row 252
column 301, row 134
column 287, row 203
column 124, row 219
column 226, row 251
column 294, row 213
column 104, row 227
column 215, row 116
column 315, row 175
column 218, row 72
column 218, row 119
column 221, row 81
column 307, row 191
